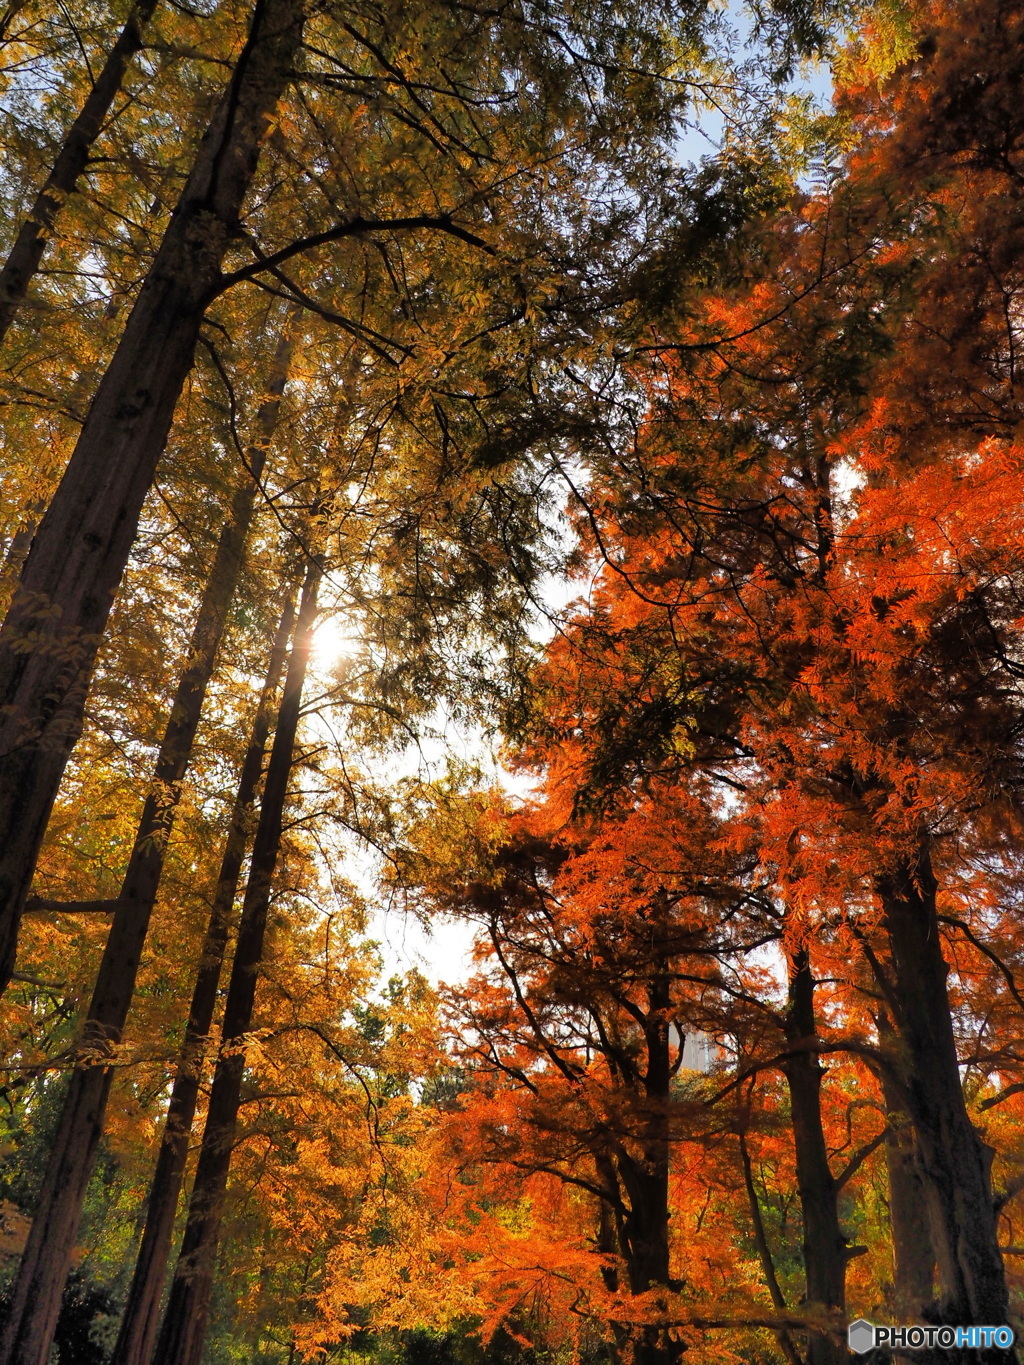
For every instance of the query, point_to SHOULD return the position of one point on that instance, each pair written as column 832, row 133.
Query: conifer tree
column 186, row 1317
column 80, row 549
column 44, row 1264
column 139, row 1324
column 27, row 251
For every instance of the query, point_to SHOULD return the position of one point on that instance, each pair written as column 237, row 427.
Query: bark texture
column 35, row 1302
column 183, row 1334
column 953, row 1161
column 913, row 1256
column 26, row 253
column 53, row 629
column 142, row 1312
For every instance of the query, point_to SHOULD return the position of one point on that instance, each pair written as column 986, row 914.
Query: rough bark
column 824, row 1245
column 913, row 1256
column 36, row 1295
column 26, row 253
column 953, row 1161
column 52, row 631
column 142, row 1313
column 185, row 1322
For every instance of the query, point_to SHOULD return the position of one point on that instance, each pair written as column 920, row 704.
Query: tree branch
column 38, row 904
column 355, row 227
column 857, row 1160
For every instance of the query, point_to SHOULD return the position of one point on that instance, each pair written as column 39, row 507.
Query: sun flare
column 334, row 641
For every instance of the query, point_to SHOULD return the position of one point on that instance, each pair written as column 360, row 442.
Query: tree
column 26, row 253
column 36, row 1296
column 776, row 745
column 184, row 1331
column 832, row 637
column 97, row 506
column 455, row 163
column 141, row 1316
column 604, row 943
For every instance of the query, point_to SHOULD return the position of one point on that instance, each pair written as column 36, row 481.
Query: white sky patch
column 441, row 952
column 335, row 639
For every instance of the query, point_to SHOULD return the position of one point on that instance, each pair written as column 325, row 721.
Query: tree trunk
column 645, row 1227
column 824, row 1245
column 53, row 629
column 954, row 1162
column 764, row 1253
column 185, row 1321
column 913, row 1257
column 30, row 243
column 17, row 551
column 141, row 1315
column 7, row 18
column 44, row 1265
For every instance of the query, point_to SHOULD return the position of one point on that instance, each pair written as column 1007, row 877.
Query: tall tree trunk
column 141, row 1315
column 609, row 1242
column 36, row 1296
column 26, row 253
column 645, row 1230
column 954, row 1162
column 913, row 1256
column 185, row 1321
column 53, row 629
column 824, row 1244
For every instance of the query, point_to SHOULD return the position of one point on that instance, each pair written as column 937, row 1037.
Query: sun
column 334, row 640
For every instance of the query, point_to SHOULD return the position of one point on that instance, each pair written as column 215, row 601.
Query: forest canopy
column 549, row 472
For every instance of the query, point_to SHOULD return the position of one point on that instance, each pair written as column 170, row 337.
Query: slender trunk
column 293, row 1345
column 913, row 1257
column 953, row 1161
column 184, row 1328
column 764, row 1254
column 53, row 629
column 44, row 1265
column 26, row 253
column 17, row 551
column 141, row 1315
column 607, row 1242
column 824, row 1245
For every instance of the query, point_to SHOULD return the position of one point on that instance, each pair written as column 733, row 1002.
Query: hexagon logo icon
column 861, row 1335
